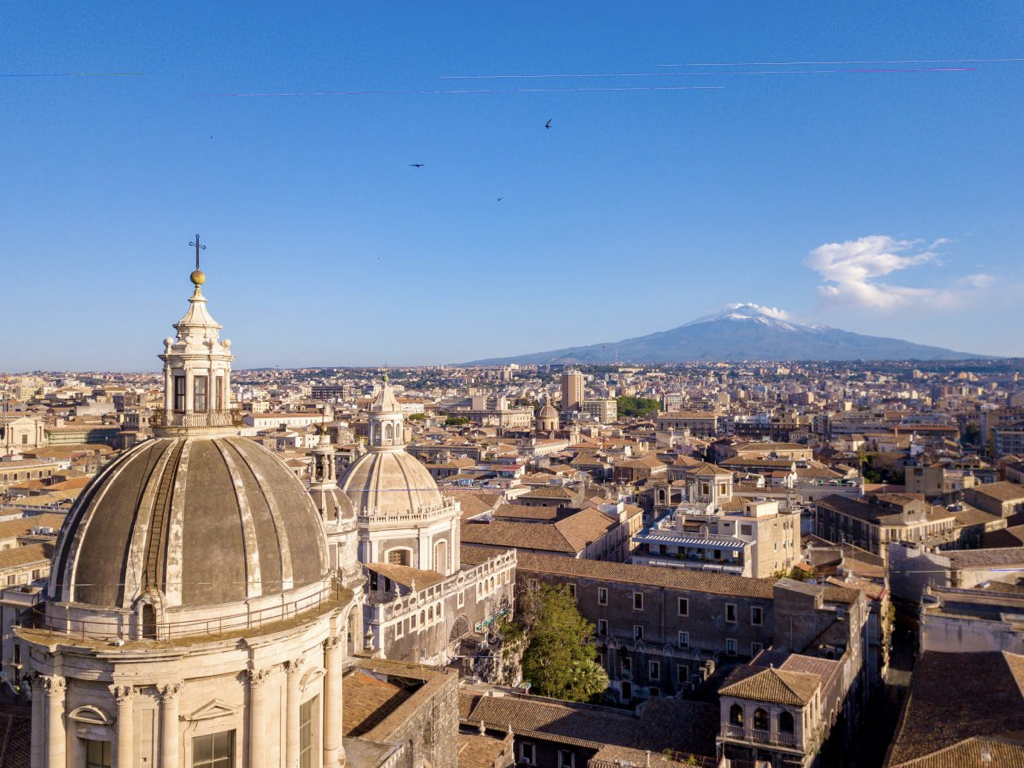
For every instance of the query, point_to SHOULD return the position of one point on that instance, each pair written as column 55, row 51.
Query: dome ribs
column 253, row 577
column 161, row 517
column 287, row 575
column 133, row 565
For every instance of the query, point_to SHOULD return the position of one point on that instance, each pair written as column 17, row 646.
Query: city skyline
column 854, row 166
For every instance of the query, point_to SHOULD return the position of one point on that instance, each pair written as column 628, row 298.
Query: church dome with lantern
column 403, row 518
column 195, row 517
column 192, row 615
column 387, row 480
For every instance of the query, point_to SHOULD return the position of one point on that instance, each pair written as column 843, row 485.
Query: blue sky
column 883, row 202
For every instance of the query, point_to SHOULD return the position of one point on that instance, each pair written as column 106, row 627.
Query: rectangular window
column 730, row 646
column 602, row 596
column 307, row 733
column 684, row 640
column 638, row 601
column 638, row 632
column 400, row 628
column 527, row 754
column 654, row 691
column 218, row 393
column 654, row 670
column 98, row 754
column 684, row 606
column 602, row 627
column 566, row 758
column 627, row 666
column 627, row 691
column 682, row 674
column 462, row 598
column 572, row 590
column 730, row 613
column 757, row 616
column 179, row 393
column 214, row 751
column 199, row 393
column 755, row 648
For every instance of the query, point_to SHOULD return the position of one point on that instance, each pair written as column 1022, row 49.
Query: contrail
column 759, row 72
column 483, row 90
column 75, row 74
column 868, row 61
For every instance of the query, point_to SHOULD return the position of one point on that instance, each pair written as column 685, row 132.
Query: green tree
column 417, row 416
column 561, row 660
column 637, row 406
column 456, row 421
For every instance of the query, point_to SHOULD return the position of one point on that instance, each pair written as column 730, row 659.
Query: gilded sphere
column 197, row 278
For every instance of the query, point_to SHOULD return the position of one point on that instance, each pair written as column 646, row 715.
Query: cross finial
column 198, row 248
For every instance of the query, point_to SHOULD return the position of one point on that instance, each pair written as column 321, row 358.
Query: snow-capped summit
column 744, row 331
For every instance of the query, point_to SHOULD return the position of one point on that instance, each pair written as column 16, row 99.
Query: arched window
column 736, row 714
column 389, row 434
column 441, row 557
column 760, row 720
column 785, row 722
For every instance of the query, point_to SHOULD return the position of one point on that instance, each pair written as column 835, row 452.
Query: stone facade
column 662, row 631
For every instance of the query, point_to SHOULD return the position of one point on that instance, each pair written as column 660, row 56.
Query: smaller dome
column 332, row 503
column 390, row 482
column 547, row 411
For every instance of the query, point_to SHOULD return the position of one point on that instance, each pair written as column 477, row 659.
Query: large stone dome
column 193, row 521
column 390, row 482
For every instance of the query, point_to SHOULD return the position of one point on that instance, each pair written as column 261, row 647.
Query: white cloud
column 851, row 270
column 977, row 281
column 778, row 314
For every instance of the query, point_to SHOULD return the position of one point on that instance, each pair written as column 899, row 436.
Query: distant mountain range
column 741, row 332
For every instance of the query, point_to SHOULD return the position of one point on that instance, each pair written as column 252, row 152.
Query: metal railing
column 131, row 627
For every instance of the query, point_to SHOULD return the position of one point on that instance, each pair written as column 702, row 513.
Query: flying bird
column 500, row 199
column 416, row 165
column 548, row 123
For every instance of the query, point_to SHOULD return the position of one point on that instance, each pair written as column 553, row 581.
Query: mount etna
column 741, row 332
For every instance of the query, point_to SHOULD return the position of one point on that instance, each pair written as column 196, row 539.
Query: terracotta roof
column 30, row 553
column 570, row 535
column 988, row 701
column 502, row 533
column 1003, row 491
column 772, row 686
column 24, row 525
column 367, row 701
column 982, row 558
column 405, row 575
column 476, row 751
column 674, row 578
column 972, row 752
column 548, row 492
column 682, row 726
column 15, row 735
